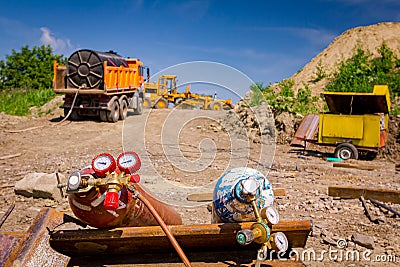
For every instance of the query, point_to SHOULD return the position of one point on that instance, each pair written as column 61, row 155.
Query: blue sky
column 266, row 40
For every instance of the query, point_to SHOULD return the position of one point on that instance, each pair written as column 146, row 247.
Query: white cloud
column 313, row 35
column 58, row 45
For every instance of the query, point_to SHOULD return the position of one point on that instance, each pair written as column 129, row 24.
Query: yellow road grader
column 163, row 92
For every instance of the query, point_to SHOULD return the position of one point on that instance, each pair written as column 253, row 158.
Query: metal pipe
column 385, row 207
column 167, row 232
column 5, row 216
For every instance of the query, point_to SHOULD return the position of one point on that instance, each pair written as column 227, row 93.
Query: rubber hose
column 70, row 110
column 166, row 230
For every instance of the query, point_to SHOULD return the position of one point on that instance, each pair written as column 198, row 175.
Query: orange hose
column 166, row 230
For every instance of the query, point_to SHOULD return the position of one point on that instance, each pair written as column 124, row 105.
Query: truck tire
column 215, row 105
column 346, row 151
column 139, row 109
column 74, row 116
column 113, row 114
column 104, row 115
column 123, row 110
column 146, row 103
column 161, row 103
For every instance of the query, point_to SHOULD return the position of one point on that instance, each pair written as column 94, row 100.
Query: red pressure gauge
column 103, row 163
column 129, row 162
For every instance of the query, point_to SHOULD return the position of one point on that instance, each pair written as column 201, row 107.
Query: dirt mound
column 392, row 149
column 369, row 37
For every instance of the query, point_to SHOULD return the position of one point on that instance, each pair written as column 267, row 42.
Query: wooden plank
column 381, row 194
column 208, row 196
column 10, row 156
column 151, row 239
column 355, row 166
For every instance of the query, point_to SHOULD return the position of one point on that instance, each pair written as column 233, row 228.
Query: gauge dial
column 129, row 162
column 103, row 163
column 279, row 242
column 271, row 214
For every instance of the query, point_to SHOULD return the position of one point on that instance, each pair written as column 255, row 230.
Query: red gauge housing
column 102, row 167
column 131, row 167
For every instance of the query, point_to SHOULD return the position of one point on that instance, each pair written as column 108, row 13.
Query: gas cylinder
column 99, row 209
column 230, row 202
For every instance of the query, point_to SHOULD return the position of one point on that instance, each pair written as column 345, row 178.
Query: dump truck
column 100, row 84
column 355, row 122
column 164, row 92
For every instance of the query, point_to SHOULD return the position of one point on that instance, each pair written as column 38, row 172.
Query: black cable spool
column 85, row 68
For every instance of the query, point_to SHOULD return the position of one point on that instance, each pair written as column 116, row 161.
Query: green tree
column 28, row 69
column 25, row 79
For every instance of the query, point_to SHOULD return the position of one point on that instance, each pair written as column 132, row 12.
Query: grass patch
column 17, row 101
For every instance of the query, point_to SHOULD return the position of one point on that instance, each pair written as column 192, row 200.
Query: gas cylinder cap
column 250, row 186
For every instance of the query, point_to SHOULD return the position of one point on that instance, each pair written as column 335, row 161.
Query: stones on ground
column 39, row 185
column 284, row 123
column 253, row 123
column 363, row 240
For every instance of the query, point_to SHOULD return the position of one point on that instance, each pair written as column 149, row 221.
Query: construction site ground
column 42, row 145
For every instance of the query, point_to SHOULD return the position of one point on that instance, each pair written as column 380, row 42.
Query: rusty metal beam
column 149, row 244
column 32, row 248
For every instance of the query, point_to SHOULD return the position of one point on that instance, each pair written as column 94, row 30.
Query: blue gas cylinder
column 231, row 189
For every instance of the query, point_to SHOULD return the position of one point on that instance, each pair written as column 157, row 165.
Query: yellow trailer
column 355, row 121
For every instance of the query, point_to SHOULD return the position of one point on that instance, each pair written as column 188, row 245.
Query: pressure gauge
column 74, row 181
column 279, row 242
column 271, row 214
column 103, row 163
column 129, row 162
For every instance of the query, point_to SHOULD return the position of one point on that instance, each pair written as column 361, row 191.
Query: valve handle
column 245, row 237
column 59, row 185
column 111, row 202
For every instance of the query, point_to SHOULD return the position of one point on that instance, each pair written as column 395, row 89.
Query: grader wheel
column 161, row 103
column 215, row 105
column 146, row 103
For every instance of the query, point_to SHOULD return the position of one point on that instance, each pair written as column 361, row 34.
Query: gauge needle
column 126, row 161
column 104, row 163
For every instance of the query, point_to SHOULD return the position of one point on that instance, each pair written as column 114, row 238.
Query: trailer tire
column 123, row 110
column 146, row 103
column 346, row 151
column 113, row 115
column 103, row 115
column 139, row 109
column 215, row 105
column 161, row 103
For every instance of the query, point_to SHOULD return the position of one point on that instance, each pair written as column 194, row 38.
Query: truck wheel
column 139, row 109
column 346, row 151
column 74, row 116
column 215, row 105
column 147, row 103
column 123, row 110
column 113, row 115
column 103, row 115
column 161, row 103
